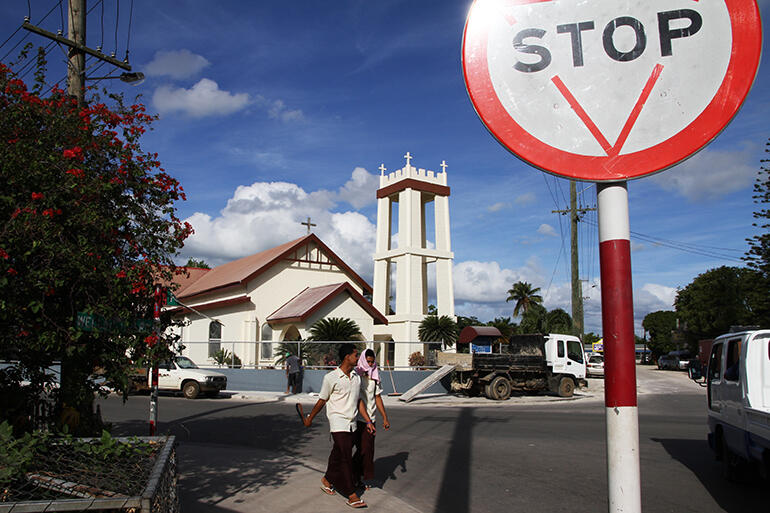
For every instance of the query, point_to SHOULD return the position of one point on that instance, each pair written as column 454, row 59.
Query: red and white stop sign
column 609, row 90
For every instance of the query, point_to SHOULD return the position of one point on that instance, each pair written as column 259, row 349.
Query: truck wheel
column 501, row 388
column 731, row 466
column 490, row 392
column 566, row 387
column 190, row 389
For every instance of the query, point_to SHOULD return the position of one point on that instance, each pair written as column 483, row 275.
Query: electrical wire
column 117, row 20
column 9, row 37
column 25, row 35
column 128, row 36
column 694, row 249
column 29, row 66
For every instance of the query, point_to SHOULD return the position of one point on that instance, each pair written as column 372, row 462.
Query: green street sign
column 171, row 299
column 90, row 322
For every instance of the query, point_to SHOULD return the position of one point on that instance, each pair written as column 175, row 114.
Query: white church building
column 249, row 305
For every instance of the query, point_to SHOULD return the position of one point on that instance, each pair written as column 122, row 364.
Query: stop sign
column 609, row 90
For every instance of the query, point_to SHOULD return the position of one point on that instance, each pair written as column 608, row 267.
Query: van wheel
column 501, row 388
column 731, row 464
column 566, row 387
column 190, row 389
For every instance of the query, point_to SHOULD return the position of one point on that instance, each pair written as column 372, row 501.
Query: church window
column 215, row 338
column 266, row 349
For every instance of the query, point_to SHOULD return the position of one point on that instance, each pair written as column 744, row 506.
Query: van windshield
column 185, row 363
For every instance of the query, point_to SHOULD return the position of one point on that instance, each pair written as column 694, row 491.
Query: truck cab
column 181, row 374
column 564, row 355
column 738, row 396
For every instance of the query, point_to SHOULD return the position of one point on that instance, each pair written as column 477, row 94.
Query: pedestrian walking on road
column 363, row 440
column 292, row 373
column 340, row 394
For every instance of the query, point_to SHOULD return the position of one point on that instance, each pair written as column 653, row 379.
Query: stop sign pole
column 608, row 91
column 623, row 475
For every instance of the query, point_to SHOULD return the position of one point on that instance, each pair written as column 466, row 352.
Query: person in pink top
column 363, row 439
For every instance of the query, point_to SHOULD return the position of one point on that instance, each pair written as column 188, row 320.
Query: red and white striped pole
column 154, row 367
column 623, row 477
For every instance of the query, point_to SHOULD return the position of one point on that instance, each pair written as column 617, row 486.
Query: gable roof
column 241, row 271
column 187, row 278
column 301, row 306
column 485, row 333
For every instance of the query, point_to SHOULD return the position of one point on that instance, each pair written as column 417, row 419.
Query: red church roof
column 239, row 272
column 301, row 306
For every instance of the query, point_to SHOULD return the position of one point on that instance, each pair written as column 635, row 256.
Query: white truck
column 552, row 362
column 738, row 394
column 181, row 374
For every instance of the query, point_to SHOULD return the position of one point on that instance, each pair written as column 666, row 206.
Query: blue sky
column 272, row 112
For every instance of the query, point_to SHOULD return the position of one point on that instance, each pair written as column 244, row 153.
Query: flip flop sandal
column 327, row 490
column 356, row 504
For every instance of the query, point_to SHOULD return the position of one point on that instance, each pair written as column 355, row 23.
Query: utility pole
column 76, row 41
column 577, row 289
column 76, row 30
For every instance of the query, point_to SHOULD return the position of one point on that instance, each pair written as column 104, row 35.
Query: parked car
column 668, row 362
column 595, row 366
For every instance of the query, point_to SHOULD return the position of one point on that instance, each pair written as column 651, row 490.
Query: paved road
column 452, row 455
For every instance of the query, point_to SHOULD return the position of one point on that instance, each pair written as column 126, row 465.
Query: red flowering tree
column 88, row 225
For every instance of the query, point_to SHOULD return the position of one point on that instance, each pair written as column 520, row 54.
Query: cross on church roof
column 444, row 166
column 382, row 169
column 408, row 157
column 308, row 224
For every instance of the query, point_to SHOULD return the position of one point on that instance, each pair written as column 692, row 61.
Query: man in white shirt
column 340, row 394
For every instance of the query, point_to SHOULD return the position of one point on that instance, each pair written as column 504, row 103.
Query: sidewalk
column 251, row 480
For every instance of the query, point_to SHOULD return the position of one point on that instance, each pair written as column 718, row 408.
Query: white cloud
column 201, row 100
column 487, row 282
column 361, row 189
column 711, row 173
column 525, row 199
column 176, row 64
column 278, row 110
column 547, row 229
column 637, row 246
column 498, row 206
column 265, row 214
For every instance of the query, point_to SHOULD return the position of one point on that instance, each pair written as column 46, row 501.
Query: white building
column 270, row 297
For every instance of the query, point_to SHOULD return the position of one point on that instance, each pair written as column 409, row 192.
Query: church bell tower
column 403, row 260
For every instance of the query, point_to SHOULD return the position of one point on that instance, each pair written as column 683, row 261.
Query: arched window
column 266, row 347
column 215, row 338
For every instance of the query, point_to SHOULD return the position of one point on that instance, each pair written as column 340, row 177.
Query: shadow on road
column 385, row 467
column 232, row 455
column 753, row 495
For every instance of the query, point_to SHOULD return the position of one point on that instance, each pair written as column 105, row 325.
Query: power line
column 128, row 35
column 25, row 35
column 684, row 247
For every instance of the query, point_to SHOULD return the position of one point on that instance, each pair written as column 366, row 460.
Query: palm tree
column 338, row 329
column 558, row 321
column 438, row 329
column 506, row 328
column 524, row 295
column 335, row 328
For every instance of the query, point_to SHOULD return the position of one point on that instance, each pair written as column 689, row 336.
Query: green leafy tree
column 558, row 321
column 660, row 325
column 590, row 338
column 198, row 264
column 525, row 296
column 89, row 225
column 533, row 320
column 505, row 326
column 337, row 329
column 435, row 328
column 758, row 255
column 714, row 301
column 463, row 322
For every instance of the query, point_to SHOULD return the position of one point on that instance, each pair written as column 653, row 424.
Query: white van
column 738, row 385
